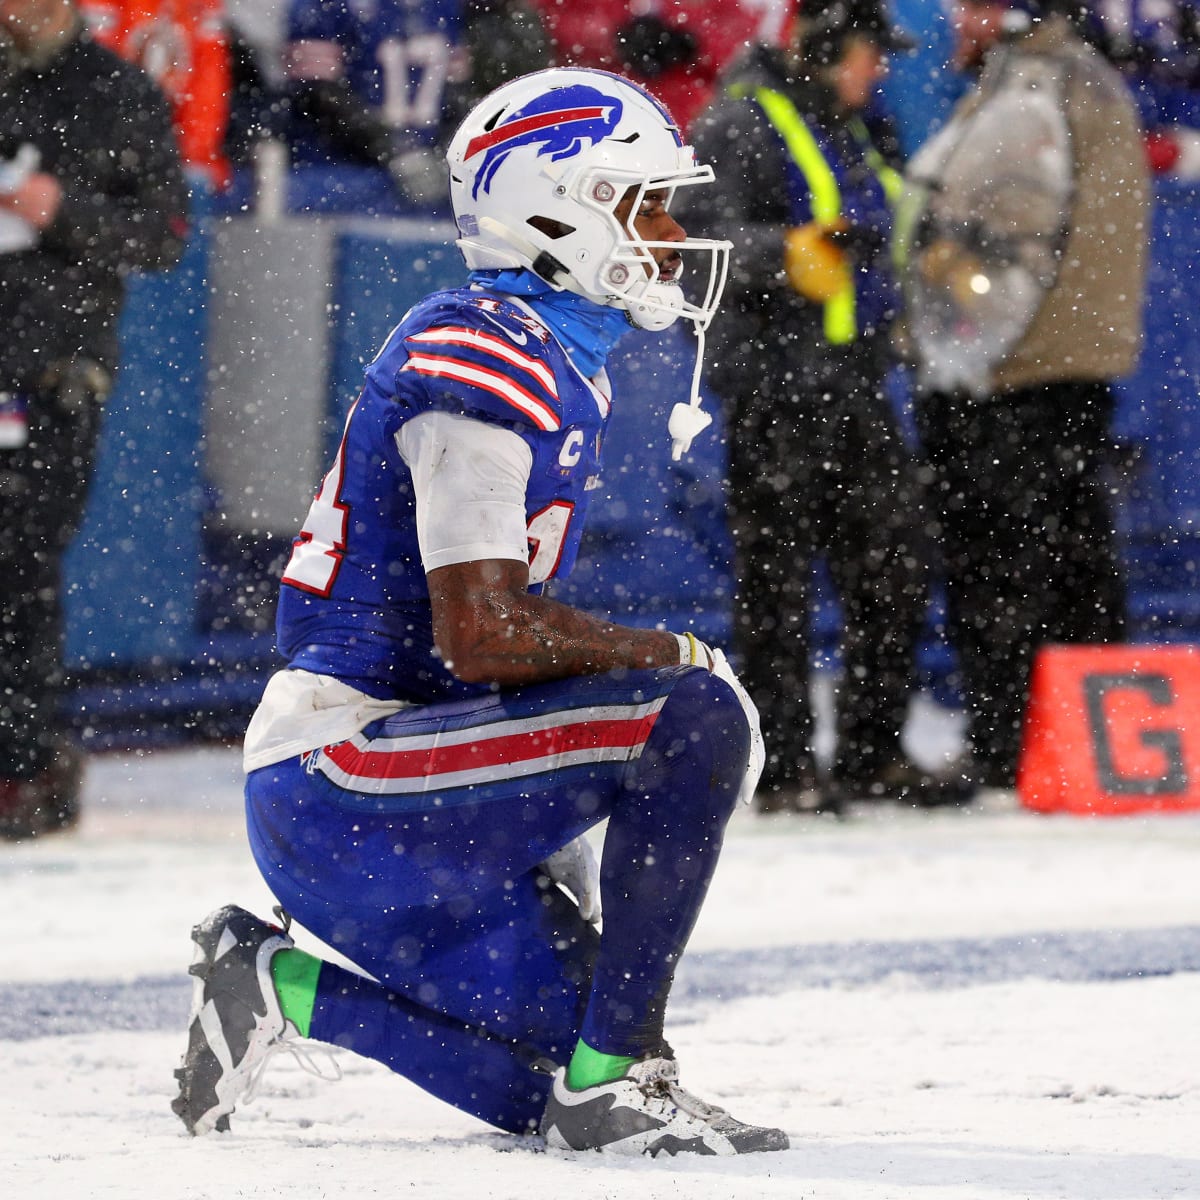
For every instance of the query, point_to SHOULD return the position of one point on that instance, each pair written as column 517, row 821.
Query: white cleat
column 647, row 1112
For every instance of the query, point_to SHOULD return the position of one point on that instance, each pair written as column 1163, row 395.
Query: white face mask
column 537, row 172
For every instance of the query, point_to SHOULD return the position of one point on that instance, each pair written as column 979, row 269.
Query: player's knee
column 706, row 742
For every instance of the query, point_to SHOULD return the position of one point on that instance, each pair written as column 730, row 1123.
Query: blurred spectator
column 674, row 48
column 919, row 91
column 263, row 23
column 368, row 85
column 1153, row 40
column 256, row 102
column 1156, row 46
column 184, row 46
column 503, row 39
column 91, row 188
column 801, row 350
column 1026, row 271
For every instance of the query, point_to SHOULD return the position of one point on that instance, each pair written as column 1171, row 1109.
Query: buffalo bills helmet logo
column 560, row 124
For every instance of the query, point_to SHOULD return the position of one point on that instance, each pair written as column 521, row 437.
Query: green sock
column 294, row 974
column 589, row 1067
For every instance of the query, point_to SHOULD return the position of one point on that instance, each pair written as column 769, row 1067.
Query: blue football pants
column 413, row 849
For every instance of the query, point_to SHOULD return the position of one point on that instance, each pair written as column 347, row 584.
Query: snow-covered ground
column 962, row 1006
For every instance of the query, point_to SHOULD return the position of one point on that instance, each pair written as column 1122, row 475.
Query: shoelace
column 660, row 1076
column 694, row 1105
column 305, row 1058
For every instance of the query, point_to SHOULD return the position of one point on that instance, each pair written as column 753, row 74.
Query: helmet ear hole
column 550, row 227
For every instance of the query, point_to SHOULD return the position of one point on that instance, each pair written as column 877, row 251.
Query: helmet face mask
column 538, row 171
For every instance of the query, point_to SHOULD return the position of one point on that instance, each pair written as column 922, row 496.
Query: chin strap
column 688, row 420
column 541, row 262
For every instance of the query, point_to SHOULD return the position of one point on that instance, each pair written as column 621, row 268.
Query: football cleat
column 236, row 1022
column 647, row 1112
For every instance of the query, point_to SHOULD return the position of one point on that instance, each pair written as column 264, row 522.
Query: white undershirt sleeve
column 469, row 480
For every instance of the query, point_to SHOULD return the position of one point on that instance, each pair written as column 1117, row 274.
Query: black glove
column 648, row 46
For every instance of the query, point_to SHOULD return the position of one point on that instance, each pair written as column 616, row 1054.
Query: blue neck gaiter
column 587, row 330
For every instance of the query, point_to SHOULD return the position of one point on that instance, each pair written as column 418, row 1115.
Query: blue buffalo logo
column 559, row 124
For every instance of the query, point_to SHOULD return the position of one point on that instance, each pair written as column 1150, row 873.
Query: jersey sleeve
column 498, row 373
column 469, row 484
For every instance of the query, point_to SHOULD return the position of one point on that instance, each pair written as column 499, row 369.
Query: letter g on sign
column 1167, row 741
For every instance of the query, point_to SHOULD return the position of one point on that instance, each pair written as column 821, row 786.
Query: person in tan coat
column 1024, row 241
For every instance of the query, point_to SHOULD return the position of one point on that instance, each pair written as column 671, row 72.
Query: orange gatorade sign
column 1112, row 730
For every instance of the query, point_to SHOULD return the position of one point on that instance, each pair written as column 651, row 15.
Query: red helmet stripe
column 518, row 128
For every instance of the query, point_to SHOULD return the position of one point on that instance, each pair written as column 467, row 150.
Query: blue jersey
column 396, row 54
column 354, row 602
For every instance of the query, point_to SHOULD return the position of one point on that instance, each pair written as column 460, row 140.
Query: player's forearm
column 532, row 639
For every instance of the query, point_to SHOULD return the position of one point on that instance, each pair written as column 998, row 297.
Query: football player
column 421, row 775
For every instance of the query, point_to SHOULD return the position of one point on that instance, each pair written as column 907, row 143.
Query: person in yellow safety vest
column 818, row 465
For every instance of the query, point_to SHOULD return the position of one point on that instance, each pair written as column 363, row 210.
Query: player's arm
column 469, row 483
column 489, row 629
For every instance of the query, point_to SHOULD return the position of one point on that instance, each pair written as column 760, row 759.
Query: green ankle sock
column 589, row 1067
column 294, row 974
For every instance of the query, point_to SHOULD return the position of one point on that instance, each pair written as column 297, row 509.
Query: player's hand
column 816, row 267
column 575, row 867
column 758, row 750
column 693, row 652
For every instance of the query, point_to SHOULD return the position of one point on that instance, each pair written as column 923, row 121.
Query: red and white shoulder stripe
column 484, row 360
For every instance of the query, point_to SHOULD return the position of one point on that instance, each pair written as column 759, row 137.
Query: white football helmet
column 537, row 170
column 566, row 145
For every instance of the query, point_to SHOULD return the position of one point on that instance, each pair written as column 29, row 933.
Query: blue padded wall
column 131, row 573
column 378, row 275
column 1159, row 414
